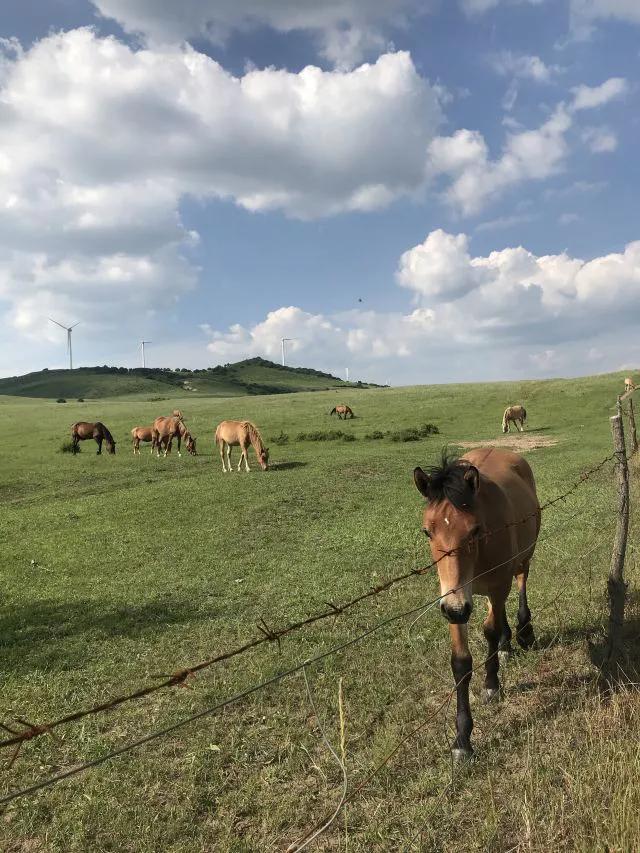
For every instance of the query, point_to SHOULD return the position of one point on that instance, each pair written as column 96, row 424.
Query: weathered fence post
column 616, row 586
column 632, row 424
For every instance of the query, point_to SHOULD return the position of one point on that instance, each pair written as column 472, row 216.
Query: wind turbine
column 282, row 342
column 68, row 330
column 142, row 343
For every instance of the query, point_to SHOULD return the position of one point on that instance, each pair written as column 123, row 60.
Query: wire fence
column 29, row 731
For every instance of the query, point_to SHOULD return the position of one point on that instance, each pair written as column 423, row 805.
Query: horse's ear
column 422, row 481
column 472, row 476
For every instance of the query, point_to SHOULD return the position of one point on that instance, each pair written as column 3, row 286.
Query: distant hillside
column 252, row 376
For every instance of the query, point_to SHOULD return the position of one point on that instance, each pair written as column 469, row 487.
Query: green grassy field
column 117, row 569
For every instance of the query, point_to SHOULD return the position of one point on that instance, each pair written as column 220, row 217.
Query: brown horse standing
column 342, row 412
column 482, row 520
column 166, row 429
column 515, row 415
column 241, row 434
column 139, row 434
column 629, row 384
column 82, row 430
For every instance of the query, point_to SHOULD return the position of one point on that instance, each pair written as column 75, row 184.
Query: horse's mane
column 254, row 435
column 107, row 434
column 446, row 482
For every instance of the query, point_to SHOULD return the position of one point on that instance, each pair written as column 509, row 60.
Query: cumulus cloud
column 347, row 30
column 508, row 299
column 93, row 165
column 475, row 177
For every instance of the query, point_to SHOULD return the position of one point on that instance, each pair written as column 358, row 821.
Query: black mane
column 446, row 481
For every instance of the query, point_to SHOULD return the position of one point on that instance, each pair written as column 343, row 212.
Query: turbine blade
column 57, row 324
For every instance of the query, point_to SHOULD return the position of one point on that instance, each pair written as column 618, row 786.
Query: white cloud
column 585, row 13
column 468, row 307
column 600, row 140
column 527, row 155
column 523, row 66
column 348, row 30
column 568, row 218
column 479, row 7
column 590, row 97
column 93, row 165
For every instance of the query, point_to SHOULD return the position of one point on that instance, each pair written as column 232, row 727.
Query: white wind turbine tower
column 283, row 341
column 142, row 343
column 68, row 330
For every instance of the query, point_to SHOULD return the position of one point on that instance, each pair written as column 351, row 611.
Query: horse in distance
column 629, row 384
column 165, row 429
column 342, row 411
column 482, row 520
column 514, row 415
column 82, row 430
column 141, row 433
column 241, row 434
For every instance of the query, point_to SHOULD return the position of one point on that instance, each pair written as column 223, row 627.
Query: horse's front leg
column 493, row 628
column 461, row 666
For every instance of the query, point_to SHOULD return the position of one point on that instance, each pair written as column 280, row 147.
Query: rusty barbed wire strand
column 30, row 731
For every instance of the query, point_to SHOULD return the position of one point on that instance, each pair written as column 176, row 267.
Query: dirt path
column 520, row 442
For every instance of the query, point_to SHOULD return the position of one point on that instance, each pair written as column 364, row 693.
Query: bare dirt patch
column 521, row 443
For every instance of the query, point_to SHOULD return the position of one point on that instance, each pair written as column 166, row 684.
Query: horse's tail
column 217, row 438
column 333, row 411
column 524, row 414
column 504, row 418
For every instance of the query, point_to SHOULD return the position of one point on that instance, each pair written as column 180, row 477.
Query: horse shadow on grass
column 55, row 635
column 287, row 466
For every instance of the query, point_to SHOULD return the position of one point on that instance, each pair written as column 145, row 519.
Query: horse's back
column 233, row 432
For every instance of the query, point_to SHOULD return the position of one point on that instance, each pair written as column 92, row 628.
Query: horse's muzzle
column 457, row 615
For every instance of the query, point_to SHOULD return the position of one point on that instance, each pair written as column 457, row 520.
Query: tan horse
column 82, row 430
column 166, row 429
column 176, row 413
column 342, row 412
column 139, row 434
column 514, row 415
column 482, row 520
column 629, row 384
column 241, row 434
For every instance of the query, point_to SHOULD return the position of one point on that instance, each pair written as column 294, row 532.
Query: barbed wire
column 31, row 731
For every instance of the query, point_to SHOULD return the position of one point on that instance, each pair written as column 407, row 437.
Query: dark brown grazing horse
column 482, row 520
column 342, row 411
column 166, row 429
column 82, row 430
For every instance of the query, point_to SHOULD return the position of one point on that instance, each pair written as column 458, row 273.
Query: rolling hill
column 252, row 376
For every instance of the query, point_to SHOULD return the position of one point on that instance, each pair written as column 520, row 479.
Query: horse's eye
column 426, row 533
column 475, row 532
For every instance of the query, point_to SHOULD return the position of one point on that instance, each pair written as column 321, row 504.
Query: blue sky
column 421, row 192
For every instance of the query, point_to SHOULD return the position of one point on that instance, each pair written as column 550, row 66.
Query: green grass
column 252, row 376
column 119, row 568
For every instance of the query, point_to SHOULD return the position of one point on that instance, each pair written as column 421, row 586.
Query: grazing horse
column 482, row 520
column 166, row 429
column 176, row 413
column 629, row 384
column 514, row 414
column 81, row 431
column 241, row 434
column 342, row 412
column 139, row 434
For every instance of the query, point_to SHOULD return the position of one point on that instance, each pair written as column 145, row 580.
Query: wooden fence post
column 616, row 586
column 632, row 424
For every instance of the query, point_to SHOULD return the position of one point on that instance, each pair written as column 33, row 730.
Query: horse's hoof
column 492, row 694
column 526, row 637
column 461, row 756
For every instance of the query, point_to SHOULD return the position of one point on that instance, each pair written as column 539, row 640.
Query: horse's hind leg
column 99, row 442
column 524, row 629
column 493, row 627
